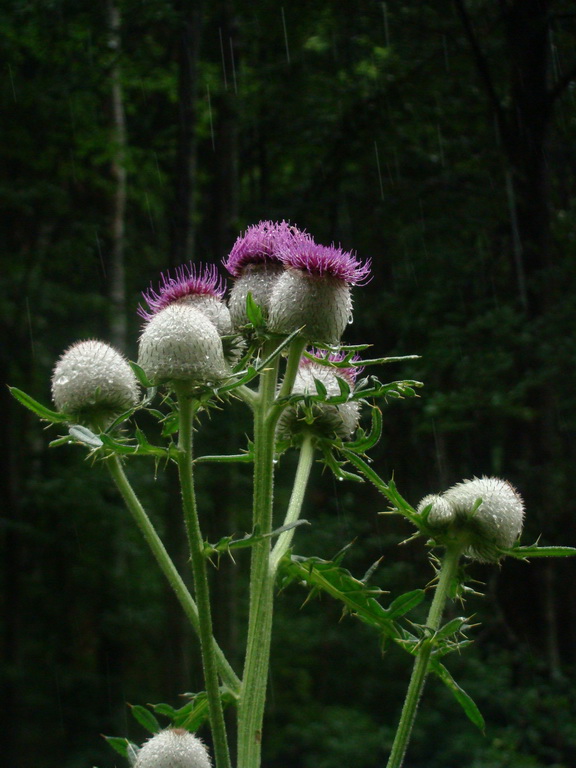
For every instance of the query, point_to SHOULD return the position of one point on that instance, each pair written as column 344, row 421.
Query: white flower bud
column 490, row 511
column 180, row 344
column 93, row 384
column 441, row 512
column 173, row 748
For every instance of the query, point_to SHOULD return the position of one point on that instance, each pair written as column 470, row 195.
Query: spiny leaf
column 357, row 597
column 228, row 543
column 40, row 410
column 465, row 701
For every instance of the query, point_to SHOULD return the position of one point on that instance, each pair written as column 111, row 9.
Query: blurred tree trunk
column 117, row 290
column 524, row 119
column 190, row 23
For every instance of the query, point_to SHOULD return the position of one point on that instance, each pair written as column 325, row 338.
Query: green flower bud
column 173, row 748
column 93, row 384
column 180, row 344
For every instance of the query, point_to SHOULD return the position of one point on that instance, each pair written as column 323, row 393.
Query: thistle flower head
column 180, row 344
column 93, row 384
column 261, row 244
column 173, row 748
column 485, row 514
column 316, row 260
column 189, row 280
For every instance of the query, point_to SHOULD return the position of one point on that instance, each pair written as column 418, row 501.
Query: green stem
column 254, row 677
column 295, row 353
column 114, row 464
column 305, row 461
column 200, row 574
column 420, row 670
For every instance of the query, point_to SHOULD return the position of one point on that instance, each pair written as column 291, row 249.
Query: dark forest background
column 436, row 138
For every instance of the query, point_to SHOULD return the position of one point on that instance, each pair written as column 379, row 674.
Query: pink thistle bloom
column 261, row 244
column 189, row 281
column 324, row 261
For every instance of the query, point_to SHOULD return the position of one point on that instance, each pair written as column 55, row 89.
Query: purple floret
column 190, row 280
column 261, row 244
column 350, row 374
column 325, row 261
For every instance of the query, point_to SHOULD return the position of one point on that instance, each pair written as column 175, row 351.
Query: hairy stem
column 305, row 461
column 200, row 574
column 114, row 464
column 421, row 664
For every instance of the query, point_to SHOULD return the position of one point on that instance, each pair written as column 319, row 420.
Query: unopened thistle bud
column 324, row 420
column 441, row 512
column 180, row 345
column 93, row 384
column 255, row 263
column 484, row 513
column 173, row 748
column 315, row 290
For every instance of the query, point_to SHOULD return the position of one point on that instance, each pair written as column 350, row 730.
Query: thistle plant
column 275, row 347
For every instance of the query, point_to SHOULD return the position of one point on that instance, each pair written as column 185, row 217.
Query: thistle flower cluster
column 486, row 514
column 188, row 338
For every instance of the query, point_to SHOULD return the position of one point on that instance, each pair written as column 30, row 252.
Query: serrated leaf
column 85, row 436
column 195, row 712
column 145, row 718
column 357, row 597
column 40, row 410
column 366, row 441
column 465, row 701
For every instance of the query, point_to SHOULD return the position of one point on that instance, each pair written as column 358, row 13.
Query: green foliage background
column 371, row 125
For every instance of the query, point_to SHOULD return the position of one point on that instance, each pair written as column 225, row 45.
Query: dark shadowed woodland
column 437, row 139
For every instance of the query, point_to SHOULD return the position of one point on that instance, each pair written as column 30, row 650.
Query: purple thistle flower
column 261, row 244
column 325, row 261
column 190, row 280
column 350, row 374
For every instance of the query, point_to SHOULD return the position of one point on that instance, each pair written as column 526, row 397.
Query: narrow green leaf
column 164, row 709
column 465, row 701
column 141, row 375
column 86, row 436
column 450, row 628
column 321, row 389
column 405, row 603
column 145, row 718
column 40, row 410
column 124, row 747
column 366, row 441
column 254, row 311
column 523, row 553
